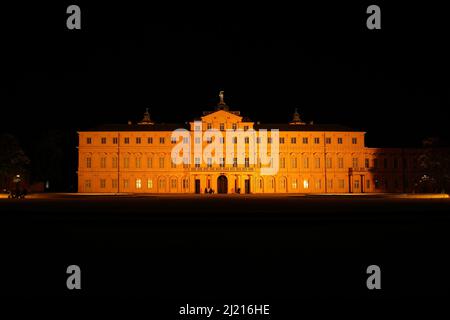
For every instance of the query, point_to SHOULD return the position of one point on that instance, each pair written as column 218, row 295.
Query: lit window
column 305, row 184
column 149, row 184
column 294, row 184
column 138, row 183
column 318, row 184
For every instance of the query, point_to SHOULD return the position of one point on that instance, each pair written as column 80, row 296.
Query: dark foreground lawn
column 225, row 249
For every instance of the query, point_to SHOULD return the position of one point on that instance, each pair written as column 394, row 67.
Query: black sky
column 393, row 82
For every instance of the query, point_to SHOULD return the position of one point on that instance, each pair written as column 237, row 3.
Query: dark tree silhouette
column 13, row 160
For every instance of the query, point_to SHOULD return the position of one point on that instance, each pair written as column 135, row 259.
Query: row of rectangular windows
column 329, row 161
column 138, row 140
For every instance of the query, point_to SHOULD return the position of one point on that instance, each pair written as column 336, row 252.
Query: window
column 114, row 183
column 162, row 184
column 234, row 126
column 209, row 140
column 149, row 184
column 138, row 162
column 102, row 183
column 355, row 163
column 375, row 163
column 328, row 140
column 247, row 140
column 294, row 183
column 341, row 183
column 294, row 163
column 356, row 185
column 281, row 140
column 89, row 162
column 89, row 140
column 126, row 140
column 186, row 140
column 115, row 140
column 126, row 162
column 247, row 162
column 138, row 140
column 305, row 184
column 149, row 140
column 269, row 140
column 173, row 140
column 209, row 126
column 103, row 140
column 330, row 183
column 87, row 184
column 209, row 162
column 305, row 140
column 319, row 184
column 197, row 140
column 306, row 162
column 235, row 162
column 222, row 140
column 395, row 163
column 235, row 140
column 258, row 140
column 316, row 140
column 222, row 127
column 197, row 128
column 161, row 162
column 161, row 140
column 173, row 183
column 103, row 162
column 125, row 184
column 197, row 162
column 293, row 140
column 317, row 163
column 245, row 128
column 138, row 183
column 340, row 163
column 185, row 184
column 354, row 140
column 367, row 184
column 366, row 163
column 222, row 162
column 328, row 161
column 114, row 162
column 149, row 162
column 282, row 163
column 339, row 140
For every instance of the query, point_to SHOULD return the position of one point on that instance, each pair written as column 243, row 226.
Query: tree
column 13, row 160
column 434, row 163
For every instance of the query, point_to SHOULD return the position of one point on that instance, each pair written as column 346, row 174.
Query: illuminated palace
column 312, row 158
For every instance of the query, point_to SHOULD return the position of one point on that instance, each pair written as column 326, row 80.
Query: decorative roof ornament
column 296, row 118
column 222, row 105
column 146, row 119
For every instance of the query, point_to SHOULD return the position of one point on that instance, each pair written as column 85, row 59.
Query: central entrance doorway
column 222, row 184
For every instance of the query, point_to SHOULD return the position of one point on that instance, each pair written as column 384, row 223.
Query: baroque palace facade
column 313, row 158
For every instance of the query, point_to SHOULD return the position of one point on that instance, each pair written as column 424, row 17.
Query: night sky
column 392, row 83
